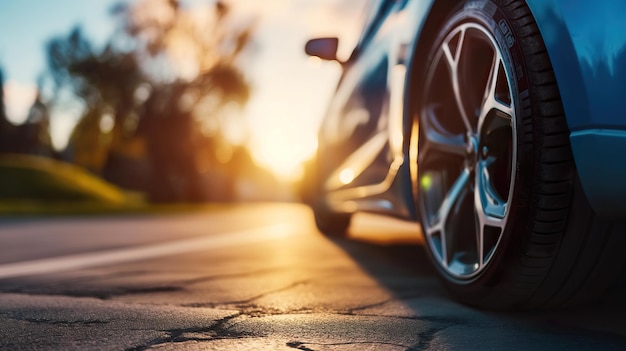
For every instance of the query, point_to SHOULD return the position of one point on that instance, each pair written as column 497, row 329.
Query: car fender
column 586, row 43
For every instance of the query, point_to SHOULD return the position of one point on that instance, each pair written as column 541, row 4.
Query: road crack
column 229, row 276
column 47, row 321
column 396, row 298
column 219, row 330
column 239, row 304
column 101, row 294
column 427, row 336
column 300, row 345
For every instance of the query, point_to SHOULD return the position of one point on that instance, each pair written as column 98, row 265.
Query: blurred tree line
column 156, row 101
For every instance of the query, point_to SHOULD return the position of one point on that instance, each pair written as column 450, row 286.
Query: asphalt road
column 254, row 277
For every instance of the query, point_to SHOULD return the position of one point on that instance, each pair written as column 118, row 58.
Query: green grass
column 35, row 186
column 30, row 184
column 28, row 209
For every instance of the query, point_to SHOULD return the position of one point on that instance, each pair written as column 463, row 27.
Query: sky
column 290, row 90
column 26, row 25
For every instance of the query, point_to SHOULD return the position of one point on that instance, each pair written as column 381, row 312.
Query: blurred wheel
column 328, row 222
column 331, row 223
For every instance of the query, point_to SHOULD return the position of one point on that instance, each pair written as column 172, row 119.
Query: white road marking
column 70, row 262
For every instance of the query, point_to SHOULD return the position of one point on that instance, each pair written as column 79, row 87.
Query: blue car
column 498, row 125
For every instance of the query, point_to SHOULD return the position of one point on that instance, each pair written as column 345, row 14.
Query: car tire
column 505, row 219
column 329, row 223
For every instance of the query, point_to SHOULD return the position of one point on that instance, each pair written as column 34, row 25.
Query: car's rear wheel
column 505, row 220
column 331, row 223
column 328, row 222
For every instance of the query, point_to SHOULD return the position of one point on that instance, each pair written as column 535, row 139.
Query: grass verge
column 31, row 184
column 37, row 186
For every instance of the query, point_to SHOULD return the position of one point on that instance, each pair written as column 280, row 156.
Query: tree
column 34, row 134
column 6, row 128
column 167, row 72
column 105, row 82
column 193, row 66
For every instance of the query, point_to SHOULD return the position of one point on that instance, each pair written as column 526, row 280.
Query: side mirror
column 324, row 48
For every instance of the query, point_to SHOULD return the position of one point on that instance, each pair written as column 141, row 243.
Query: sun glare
column 284, row 151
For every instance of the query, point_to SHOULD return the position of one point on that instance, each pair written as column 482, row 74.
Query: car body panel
column 600, row 156
column 586, row 42
column 362, row 145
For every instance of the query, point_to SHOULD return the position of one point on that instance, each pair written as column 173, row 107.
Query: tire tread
column 566, row 257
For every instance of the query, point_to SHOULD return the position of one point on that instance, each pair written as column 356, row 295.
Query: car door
column 354, row 138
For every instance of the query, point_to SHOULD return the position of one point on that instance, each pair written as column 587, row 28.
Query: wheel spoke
column 434, row 140
column 452, row 60
column 450, row 201
column 480, row 239
column 491, row 209
column 491, row 102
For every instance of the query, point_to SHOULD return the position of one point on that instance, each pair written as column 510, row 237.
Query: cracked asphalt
column 231, row 281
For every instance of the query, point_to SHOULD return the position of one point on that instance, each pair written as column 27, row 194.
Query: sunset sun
column 283, row 150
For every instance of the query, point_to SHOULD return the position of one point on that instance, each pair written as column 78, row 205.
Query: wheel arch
column 590, row 79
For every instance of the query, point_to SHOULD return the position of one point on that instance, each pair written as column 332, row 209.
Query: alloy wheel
column 467, row 151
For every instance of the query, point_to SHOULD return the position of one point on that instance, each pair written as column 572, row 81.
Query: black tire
column 330, row 223
column 551, row 250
